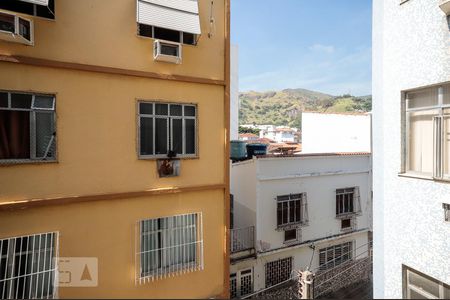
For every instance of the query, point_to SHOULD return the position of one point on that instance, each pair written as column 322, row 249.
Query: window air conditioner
column 445, row 6
column 167, row 51
column 16, row 29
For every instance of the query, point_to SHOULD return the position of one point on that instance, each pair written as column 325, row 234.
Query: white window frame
column 336, row 259
column 341, row 193
column 171, row 269
column 294, row 240
column 408, row 287
column 33, row 158
column 303, row 211
column 16, row 36
column 169, row 129
column 438, row 135
column 36, row 261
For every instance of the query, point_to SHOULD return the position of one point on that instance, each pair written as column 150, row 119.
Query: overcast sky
column 323, row 45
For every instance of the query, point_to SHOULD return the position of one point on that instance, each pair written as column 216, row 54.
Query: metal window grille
column 446, row 212
column 165, row 127
column 28, row 266
column 278, row 271
column 169, row 246
column 233, row 286
column 348, row 202
column 36, row 115
column 292, row 211
column 333, row 256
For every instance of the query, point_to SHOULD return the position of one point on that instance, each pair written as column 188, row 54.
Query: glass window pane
column 43, row 102
column 146, row 136
column 167, row 34
column 14, row 134
column 21, row 101
column 189, row 38
column 161, row 136
column 423, row 98
column 415, row 295
column 25, row 29
column 177, row 136
column 420, row 141
column 161, row 109
column 175, row 110
column 446, row 93
column 44, row 133
column 146, row 108
column 428, row 285
column 145, row 30
column 7, row 23
column 190, row 137
column 3, row 99
column 189, row 111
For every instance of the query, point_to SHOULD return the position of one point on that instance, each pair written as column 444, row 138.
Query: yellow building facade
column 89, row 116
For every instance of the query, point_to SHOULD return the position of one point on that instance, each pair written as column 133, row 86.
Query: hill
column 285, row 107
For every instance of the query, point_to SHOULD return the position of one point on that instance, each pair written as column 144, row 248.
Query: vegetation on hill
column 285, row 107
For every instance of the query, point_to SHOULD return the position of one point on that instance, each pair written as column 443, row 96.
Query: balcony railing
column 242, row 239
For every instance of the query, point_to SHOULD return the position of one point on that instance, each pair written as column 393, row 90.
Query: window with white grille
column 333, row 256
column 278, row 271
column 28, row 266
column 169, row 246
column 241, row 283
column 347, row 201
column 292, row 211
column 27, row 127
column 165, row 127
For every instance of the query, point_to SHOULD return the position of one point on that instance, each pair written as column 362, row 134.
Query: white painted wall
column 234, row 92
column 411, row 45
column 322, row 133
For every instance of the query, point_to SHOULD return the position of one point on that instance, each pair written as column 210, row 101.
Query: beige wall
column 101, row 229
column 97, row 134
column 104, row 32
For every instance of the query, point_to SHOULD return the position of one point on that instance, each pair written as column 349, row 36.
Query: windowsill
column 154, row 39
column 348, row 215
column 290, row 226
column 13, row 162
column 165, row 157
column 423, row 177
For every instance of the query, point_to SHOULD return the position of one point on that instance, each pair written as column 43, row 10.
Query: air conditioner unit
column 16, row 29
column 445, row 6
column 167, row 51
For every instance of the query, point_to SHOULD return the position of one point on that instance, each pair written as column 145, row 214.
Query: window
column 420, row 286
column 278, row 271
column 167, row 34
column 291, row 211
column 27, row 127
column 335, row 255
column 28, row 266
column 446, row 212
column 426, row 146
column 16, row 29
column 346, row 224
column 241, row 284
column 31, row 9
column 290, row 236
column 169, row 246
column 347, row 201
column 165, row 127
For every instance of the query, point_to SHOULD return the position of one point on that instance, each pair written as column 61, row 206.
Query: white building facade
column 411, row 96
column 334, row 132
column 283, row 207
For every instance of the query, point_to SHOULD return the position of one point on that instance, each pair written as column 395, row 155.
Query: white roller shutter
column 179, row 15
column 38, row 2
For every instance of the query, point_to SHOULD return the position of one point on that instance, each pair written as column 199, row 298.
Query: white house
column 411, row 93
column 283, row 207
column 335, row 132
column 280, row 134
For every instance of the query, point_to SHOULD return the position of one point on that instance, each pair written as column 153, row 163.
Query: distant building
column 248, row 137
column 336, row 132
column 284, row 206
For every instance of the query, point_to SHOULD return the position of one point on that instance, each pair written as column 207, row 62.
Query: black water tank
column 256, row 149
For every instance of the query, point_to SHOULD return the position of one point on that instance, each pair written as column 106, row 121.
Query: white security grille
column 169, row 246
column 446, row 212
column 278, row 271
column 28, row 266
column 246, row 282
column 333, row 256
column 347, row 201
column 233, row 286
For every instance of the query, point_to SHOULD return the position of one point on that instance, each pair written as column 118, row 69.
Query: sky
column 320, row 45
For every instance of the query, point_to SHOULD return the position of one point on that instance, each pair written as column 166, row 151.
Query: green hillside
column 285, row 107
